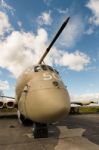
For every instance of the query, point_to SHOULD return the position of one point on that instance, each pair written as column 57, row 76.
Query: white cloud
column 86, row 97
column 75, row 61
column 19, row 24
column 73, row 32
column 21, row 49
column 89, row 31
column 45, row 18
column 62, row 11
column 5, row 6
column 5, row 26
column 93, row 5
column 4, row 85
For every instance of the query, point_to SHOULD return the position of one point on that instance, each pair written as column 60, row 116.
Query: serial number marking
column 47, row 76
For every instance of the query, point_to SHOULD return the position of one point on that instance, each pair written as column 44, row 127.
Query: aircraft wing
column 85, row 103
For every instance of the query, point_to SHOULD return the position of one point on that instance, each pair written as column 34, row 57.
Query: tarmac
column 76, row 132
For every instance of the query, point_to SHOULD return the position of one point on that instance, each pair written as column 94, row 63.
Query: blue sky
column 27, row 28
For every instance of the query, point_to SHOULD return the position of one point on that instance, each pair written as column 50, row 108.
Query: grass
column 81, row 110
column 89, row 110
column 8, row 110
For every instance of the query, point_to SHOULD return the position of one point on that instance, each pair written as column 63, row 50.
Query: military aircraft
column 83, row 102
column 76, row 105
column 41, row 95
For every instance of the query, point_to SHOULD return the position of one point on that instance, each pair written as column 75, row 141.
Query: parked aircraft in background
column 7, row 102
column 76, row 105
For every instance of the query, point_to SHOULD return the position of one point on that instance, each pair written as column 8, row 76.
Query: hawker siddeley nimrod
column 41, row 95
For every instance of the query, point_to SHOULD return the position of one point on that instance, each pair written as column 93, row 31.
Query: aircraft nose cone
column 48, row 106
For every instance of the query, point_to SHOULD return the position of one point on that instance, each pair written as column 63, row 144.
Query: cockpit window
column 44, row 68
column 50, row 68
column 37, row 68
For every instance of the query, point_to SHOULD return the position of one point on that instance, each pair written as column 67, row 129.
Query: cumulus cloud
column 45, row 18
column 73, row 32
column 22, row 49
column 4, row 85
column 5, row 26
column 75, row 61
column 93, row 5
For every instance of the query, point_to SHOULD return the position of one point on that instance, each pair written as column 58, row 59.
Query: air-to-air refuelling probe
column 41, row 95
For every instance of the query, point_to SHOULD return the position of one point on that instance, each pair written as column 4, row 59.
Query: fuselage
column 41, row 95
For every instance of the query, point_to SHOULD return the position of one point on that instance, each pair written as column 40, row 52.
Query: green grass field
column 81, row 110
column 89, row 110
column 8, row 110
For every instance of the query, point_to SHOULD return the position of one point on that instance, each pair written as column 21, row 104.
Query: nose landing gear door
column 22, row 101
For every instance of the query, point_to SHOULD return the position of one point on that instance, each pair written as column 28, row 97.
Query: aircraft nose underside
column 47, row 104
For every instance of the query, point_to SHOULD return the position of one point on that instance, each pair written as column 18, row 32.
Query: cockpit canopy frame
column 43, row 67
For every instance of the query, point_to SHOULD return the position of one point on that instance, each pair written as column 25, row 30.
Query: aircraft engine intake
column 1, row 104
column 10, row 104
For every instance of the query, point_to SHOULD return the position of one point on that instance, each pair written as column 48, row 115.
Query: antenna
column 54, row 39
